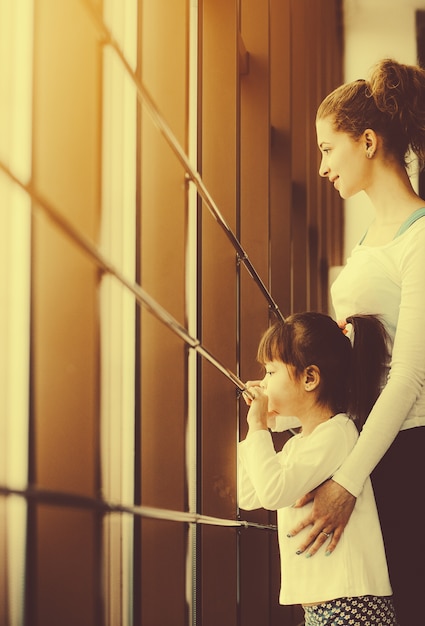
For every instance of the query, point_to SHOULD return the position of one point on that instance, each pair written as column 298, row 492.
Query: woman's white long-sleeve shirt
column 389, row 281
column 276, row 480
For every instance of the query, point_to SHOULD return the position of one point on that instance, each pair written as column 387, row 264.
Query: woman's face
column 344, row 160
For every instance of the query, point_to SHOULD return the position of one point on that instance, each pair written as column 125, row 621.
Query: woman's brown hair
column 391, row 102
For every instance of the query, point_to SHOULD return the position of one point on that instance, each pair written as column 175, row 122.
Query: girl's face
column 285, row 392
column 344, row 160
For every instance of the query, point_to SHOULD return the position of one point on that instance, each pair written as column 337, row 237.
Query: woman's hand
column 332, row 508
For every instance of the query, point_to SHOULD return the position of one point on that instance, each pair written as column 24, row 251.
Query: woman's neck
column 392, row 195
column 394, row 200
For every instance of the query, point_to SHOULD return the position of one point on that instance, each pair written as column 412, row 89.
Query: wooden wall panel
column 161, row 413
column 217, row 421
column 63, row 545
column 66, row 162
column 281, row 276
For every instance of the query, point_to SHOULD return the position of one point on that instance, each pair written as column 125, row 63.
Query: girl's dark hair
column 351, row 375
column 392, row 103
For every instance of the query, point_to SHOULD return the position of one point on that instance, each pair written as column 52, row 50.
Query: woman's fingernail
column 299, row 552
column 289, row 535
column 328, row 553
column 308, row 555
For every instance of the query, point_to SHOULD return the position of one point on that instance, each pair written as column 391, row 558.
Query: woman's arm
column 407, row 374
column 334, row 502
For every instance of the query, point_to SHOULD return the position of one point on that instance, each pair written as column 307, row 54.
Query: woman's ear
column 311, row 377
column 370, row 141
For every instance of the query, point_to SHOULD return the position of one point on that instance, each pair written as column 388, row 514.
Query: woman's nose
column 323, row 169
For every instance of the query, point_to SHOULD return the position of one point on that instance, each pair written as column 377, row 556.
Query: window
column 16, row 29
column 159, row 205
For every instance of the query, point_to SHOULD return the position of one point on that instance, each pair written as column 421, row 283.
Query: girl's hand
column 258, row 409
column 332, row 508
column 249, row 385
column 271, row 417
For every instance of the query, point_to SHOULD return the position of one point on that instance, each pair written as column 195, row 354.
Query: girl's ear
column 311, row 377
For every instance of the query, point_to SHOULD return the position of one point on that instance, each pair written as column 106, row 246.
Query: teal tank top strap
column 410, row 220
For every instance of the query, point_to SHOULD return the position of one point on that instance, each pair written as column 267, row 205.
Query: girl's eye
column 269, row 373
column 326, row 150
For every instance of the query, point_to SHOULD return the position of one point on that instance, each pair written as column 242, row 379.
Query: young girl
column 314, row 373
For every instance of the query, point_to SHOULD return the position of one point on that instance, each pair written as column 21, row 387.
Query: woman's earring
column 369, row 154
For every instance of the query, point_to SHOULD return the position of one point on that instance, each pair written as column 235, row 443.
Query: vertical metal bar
column 192, row 309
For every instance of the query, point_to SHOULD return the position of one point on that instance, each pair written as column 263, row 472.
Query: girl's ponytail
column 370, row 363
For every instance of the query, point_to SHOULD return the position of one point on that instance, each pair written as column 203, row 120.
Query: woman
column 366, row 131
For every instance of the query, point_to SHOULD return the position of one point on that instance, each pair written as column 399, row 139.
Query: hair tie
column 368, row 89
column 343, row 326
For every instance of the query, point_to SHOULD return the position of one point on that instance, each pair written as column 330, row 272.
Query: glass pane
column 161, row 594
column 65, row 589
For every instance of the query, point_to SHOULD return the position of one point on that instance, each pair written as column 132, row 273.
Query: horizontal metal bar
column 191, row 172
column 63, row 499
